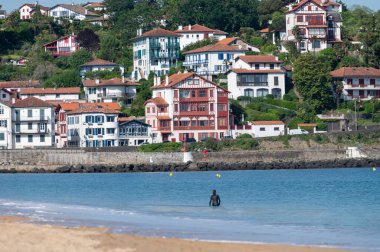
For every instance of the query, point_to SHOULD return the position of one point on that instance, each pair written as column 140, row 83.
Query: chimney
column 189, row 27
column 166, row 80
column 13, row 100
column 155, row 80
column 123, row 79
column 158, row 80
column 180, row 27
column 97, row 81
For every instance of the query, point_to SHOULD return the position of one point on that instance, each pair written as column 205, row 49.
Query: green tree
column 79, row 58
column 311, row 76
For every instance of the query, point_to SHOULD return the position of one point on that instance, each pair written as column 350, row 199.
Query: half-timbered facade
column 63, row 46
column 133, row 132
column 319, row 23
column 187, row 105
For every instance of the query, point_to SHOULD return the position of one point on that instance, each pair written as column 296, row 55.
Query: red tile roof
column 159, row 32
column 126, row 119
column 99, row 62
column 198, row 29
column 247, row 71
column 111, row 82
column 178, row 77
column 355, row 72
column 265, row 30
column 92, row 108
column 31, row 102
column 216, row 48
column 69, row 90
column 268, row 123
column 163, row 118
column 159, row 101
column 259, row 59
column 20, row 84
column 227, row 41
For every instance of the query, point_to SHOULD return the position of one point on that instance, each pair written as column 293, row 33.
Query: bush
column 246, row 143
column 211, row 144
column 246, row 135
column 160, row 147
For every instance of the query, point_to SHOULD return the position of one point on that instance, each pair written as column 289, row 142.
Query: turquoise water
column 329, row 207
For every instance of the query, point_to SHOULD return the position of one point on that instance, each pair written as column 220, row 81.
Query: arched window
column 262, row 92
column 248, row 92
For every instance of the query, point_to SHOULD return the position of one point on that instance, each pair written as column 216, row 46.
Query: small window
column 30, row 138
column 42, row 138
column 257, row 66
column 30, row 126
column 372, row 81
column 30, row 113
column 262, row 129
column 276, row 128
column 18, row 138
column 276, row 80
column 148, row 110
column 299, row 19
column 2, row 137
column 271, row 66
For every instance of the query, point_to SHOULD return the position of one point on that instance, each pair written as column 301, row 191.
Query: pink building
column 27, row 10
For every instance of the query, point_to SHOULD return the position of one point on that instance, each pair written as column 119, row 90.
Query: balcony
column 194, row 127
column 196, row 113
column 32, row 131
column 196, row 99
column 164, row 128
column 254, row 84
column 195, row 62
column 154, row 45
column 172, row 45
column 32, row 119
column 110, row 95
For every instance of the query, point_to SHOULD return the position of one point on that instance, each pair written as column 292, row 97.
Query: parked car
column 298, row 132
column 189, row 140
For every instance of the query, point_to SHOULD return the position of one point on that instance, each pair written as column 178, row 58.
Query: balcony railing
column 195, row 62
column 110, row 95
column 196, row 99
column 32, row 131
column 255, row 84
column 196, row 113
column 194, row 127
column 30, row 119
column 164, row 128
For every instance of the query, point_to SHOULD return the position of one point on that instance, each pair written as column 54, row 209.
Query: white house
column 212, row 59
column 27, row 10
column 3, row 13
column 193, row 33
column 63, row 46
column 133, row 132
column 33, row 124
column 358, row 82
column 5, row 125
column 155, row 51
column 256, row 76
column 239, row 43
column 100, row 65
column 70, row 11
column 268, row 128
column 113, row 90
column 52, row 94
column 6, row 96
column 319, row 22
column 92, row 125
column 96, row 6
column 187, row 105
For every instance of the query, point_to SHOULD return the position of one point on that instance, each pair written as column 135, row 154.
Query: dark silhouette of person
column 214, row 199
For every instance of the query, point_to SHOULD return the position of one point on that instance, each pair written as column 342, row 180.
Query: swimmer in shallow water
column 214, row 199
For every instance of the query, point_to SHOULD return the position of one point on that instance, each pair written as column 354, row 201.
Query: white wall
column 52, row 97
column 268, row 130
column 5, row 117
column 57, row 13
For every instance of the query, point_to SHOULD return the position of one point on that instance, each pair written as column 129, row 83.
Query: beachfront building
column 193, row 33
column 100, row 65
column 33, row 124
column 358, row 82
column 133, row 132
column 155, row 51
column 212, row 60
column 19, row 85
column 61, row 118
column 52, row 94
column 92, row 125
column 239, row 43
column 256, row 76
column 113, row 90
column 268, row 128
column 5, row 125
column 27, row 10
column 187, row 105
column 71, row 12
column 319, row 23
column 63, row 46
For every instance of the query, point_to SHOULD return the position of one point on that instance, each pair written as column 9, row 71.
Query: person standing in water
column 214, row 199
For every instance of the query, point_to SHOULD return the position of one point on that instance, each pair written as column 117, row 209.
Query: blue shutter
column 86, row 118
column 102, row 131
column 102, row 119
column 206, row 56
column 220, row 56
column 228, row 56
column 92, row 119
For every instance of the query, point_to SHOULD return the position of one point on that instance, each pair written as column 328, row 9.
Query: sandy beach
column 19, row 235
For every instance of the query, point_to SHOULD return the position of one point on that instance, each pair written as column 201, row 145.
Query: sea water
column 327, row 207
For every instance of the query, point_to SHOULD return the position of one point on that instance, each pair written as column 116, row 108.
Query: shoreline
column 20, row 235
column 194, row 166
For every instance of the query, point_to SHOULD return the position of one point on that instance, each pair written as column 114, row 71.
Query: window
column 203, row 123
column 271, row 66
column 4, row 96
column 175, row 107
column 57, row 96
column 3, row 123
column 276, row 128
column 30, row 113
column 110, row 131
column 30, row 126
column 372, row 81
column 1, row 110
column 222, row 107
column 110, row 118
column 257, row 66
column 42, row 138
column 211, row 106
column 220, row 56
column 42, row 127
column 361, row 81
column 193, row 93
column 222, row 121
column 2, row 137
column 175, row 93
column 299, row 19
column 153, row 110
column 316, row 44
column 349, row 81
column 196, row 82
column 248, row 92
column 30, row 138
column 262, row 92
column 18, row 138
column 276, row 80
column 211, row 93
column 202, row 93
column 262, row 129
column 184, row 94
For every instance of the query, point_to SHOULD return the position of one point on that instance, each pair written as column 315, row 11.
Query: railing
column 194, row 62
column 29, row 119
column 194, row 127
column 110, row 95
column 256, row 84
column 32, row 131
column 195, row 113
column 164, row 128
column 196, row 99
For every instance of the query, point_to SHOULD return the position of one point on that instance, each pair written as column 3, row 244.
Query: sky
column 10, row 5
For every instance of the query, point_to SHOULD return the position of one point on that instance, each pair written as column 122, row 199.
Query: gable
column 134, row 123
column 309, row 6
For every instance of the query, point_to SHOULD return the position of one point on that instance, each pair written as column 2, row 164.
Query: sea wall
column 46, row 157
